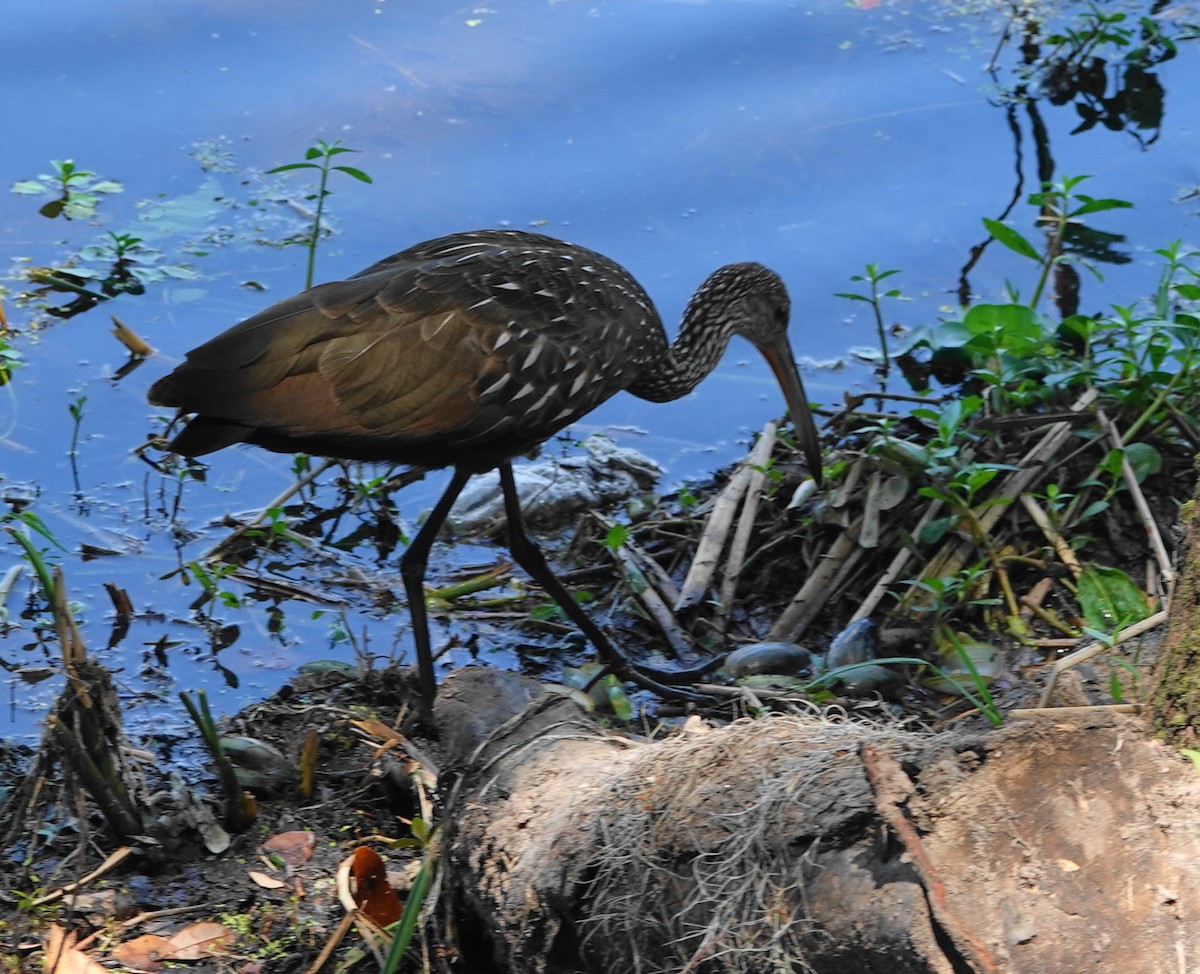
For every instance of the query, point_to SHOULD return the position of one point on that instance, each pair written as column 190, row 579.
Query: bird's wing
column 411, row 350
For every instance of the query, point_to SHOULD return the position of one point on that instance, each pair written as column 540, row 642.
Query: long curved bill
column 783, row 364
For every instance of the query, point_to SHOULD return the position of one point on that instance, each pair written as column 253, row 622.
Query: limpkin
column 464, row 352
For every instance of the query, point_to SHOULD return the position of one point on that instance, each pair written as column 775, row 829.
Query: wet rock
column 782, row 658
column 260, row 767
column 854, row 644
column 553, row 490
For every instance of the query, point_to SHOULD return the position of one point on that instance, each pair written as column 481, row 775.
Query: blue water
column 674, row 137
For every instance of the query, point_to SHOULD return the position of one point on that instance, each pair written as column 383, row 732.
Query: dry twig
column 716, row 529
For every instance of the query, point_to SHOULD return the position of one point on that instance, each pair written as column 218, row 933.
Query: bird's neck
column 675, row 370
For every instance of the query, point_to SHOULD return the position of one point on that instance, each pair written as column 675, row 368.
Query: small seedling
column 685, row 498
column 76, row 191
column 76, row 411
column 873, row 276
column 616, row 536
column 325, row 152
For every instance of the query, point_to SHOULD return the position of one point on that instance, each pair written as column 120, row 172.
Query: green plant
column 406, row 926
column 773, row 475
column 76, row 411
column 946, row 597
column 239, row 810
column 324, row 152
column 616, row 536
column 1061, row 208
column 10, row 359
column 35, row 556
column 686, row 498
column 76, row 191
column 1092, row 28
column 985, row 704
column 1099, row 62
column 276, row 524
column 209, row 576
column 952, row 593
column 118, row 263
column 873, row 277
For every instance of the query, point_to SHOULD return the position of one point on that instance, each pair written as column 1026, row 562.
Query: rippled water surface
column 675, row 137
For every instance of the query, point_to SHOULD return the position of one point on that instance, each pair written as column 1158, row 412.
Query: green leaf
column 618, row 699
column 1144, row 459
column 29, row 187
column 935, row 530
column 903, row 452
column 1112, row 464
column 293, row 165
column 980, row 477
column 1109, row 598
column 1016, row 328
column 616, row 536
column 106, row 186
column 1095, row 206
column 1011, row 239
column 356, row 173
column 38, row 525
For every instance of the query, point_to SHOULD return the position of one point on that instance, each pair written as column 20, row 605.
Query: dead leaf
column 388, row 736
column 265, row 881
column 146, row 953
column 293, row 848
column 197, row 941
column 372, row 891
column 61, row 956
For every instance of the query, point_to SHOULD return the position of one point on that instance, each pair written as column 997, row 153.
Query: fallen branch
column 741, row 536
column 716, row 529
column 807, row 602
column 1165, row 568
column 649, row 598
column 1066, row 554
column 1095, row 649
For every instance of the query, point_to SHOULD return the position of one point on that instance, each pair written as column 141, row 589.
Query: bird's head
column 746, row 299
column 752, row 301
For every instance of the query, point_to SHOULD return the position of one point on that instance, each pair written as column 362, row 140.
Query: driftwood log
column 1066, row 844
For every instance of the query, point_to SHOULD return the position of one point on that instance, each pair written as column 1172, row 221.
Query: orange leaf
column 266, row 881
column 197, row 941
column 292, row 847
column 145, row 953
column 61, row 956
column 372, row 891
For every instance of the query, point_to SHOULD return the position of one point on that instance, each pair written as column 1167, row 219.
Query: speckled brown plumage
column 464, row 352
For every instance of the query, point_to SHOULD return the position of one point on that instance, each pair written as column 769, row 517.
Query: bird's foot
column 667, row 684
column 680, row 677
column 639, row 677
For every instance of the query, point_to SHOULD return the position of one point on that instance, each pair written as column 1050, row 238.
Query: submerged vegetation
column 188, row 227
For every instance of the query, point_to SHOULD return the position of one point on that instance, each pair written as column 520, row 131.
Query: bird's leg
column 529, row 557
column 412, row 570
